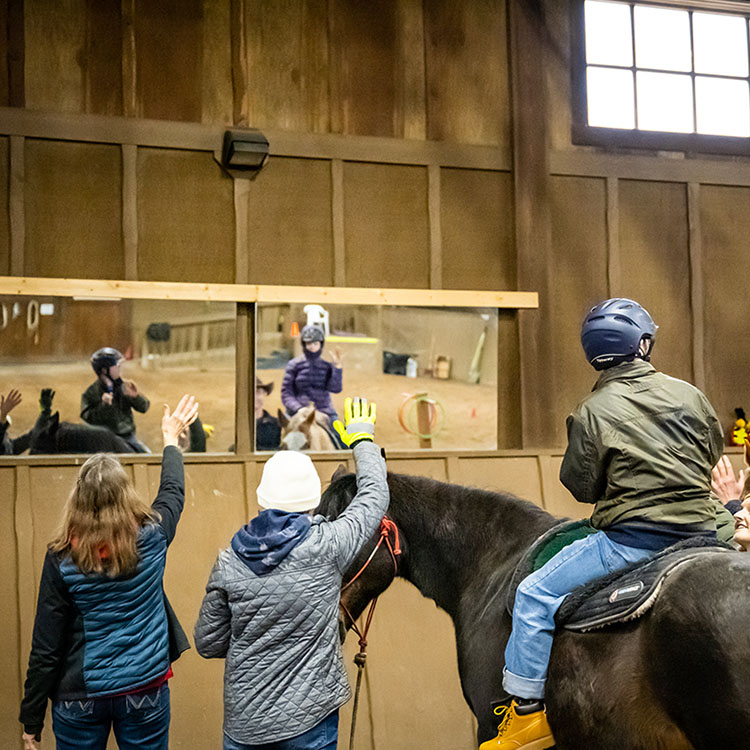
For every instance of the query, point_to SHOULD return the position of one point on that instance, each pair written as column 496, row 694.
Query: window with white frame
column 667, row 69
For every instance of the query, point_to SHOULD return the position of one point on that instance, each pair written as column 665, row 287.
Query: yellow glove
column 360, row 422
column 208, row 429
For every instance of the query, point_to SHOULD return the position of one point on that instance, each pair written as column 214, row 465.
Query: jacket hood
column 267, row 540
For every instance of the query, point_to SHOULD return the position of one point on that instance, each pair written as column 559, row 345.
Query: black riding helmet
column 103, row 359
column 313, row 333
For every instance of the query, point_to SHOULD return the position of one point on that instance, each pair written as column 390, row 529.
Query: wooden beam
column 695, row 240
column 16, row 205
column 241, row 231
column 532, row 214
column 650, row 168
column 337, row 219
column 129, row 69
column 435, row 225
column 109, row 289
column 208, row 137
column 24, row 538
column 16, row 54
column 244, row 421
column 130, row 210
column 613, row 237
column 238, row 44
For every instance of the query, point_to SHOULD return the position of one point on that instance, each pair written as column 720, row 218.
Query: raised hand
column 176, row 422
column 360, row 422
column 336, row 357
column 725, row 483
column 129, row 388
column 8, row 403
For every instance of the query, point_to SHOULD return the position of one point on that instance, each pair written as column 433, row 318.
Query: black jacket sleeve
column 170, row 499
column 54, row 613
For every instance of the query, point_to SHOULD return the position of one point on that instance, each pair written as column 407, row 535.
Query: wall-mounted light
column 244, row 152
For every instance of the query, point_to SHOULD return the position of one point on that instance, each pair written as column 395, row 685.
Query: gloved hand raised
column 360, row 422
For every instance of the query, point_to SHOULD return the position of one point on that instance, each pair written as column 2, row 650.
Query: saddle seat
column 619, row 597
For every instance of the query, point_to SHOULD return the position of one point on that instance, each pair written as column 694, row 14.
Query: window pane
column 610, row 98
column 662, row 39
column 665, row 102
column 608, row 33
column 720, row 44
column 723, row 106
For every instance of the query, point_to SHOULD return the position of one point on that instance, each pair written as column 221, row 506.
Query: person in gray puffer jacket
column 271, row 604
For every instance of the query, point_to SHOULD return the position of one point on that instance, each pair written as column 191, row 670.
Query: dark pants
column 140, row 721
column 322, row 736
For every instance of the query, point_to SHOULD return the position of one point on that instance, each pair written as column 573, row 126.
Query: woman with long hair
column 105, row 634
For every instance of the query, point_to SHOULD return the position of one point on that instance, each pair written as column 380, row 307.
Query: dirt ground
column 469, row 421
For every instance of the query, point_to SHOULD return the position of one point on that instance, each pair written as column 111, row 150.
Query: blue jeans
column 540, row 595
column 140, row 721
column 322, row 736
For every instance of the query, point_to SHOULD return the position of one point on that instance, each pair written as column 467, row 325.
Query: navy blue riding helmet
column 612, row 332
column 103, row 359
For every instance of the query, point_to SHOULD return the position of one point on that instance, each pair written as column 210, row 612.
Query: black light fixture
column 244, row 152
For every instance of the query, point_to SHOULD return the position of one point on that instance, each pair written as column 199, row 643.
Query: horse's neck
column 457, row 539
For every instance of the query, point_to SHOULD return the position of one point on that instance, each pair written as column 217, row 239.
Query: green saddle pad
column 556, row 539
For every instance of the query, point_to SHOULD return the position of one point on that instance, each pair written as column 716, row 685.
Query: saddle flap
column 629, row 593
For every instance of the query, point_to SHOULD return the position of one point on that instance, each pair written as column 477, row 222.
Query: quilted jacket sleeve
column 212, row 630
column 360, row 520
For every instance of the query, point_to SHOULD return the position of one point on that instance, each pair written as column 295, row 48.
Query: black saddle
column 621, row 596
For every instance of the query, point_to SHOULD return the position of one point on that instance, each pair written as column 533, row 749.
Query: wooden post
column 528, row 42
column 244, row 426
column 424, row 410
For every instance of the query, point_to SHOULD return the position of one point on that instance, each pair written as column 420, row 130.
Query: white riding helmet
column 289, row 483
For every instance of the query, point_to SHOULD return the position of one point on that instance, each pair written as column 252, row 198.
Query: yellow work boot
column 527, row 730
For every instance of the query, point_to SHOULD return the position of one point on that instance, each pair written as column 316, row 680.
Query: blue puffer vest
column 125, row 620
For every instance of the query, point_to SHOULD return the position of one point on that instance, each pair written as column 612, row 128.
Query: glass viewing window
column 666, row 69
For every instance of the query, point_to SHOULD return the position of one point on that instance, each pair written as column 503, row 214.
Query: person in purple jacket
column 310, row 379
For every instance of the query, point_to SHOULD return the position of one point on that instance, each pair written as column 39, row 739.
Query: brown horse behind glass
column 678, row 678
column 307, row 430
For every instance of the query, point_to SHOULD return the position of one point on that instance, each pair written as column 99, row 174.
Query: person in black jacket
column 109, row 401
column 104, row 634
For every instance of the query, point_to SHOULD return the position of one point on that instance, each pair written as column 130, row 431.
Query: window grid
column 634, row 68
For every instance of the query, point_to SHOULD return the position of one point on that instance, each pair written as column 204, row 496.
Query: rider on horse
column 641, row 447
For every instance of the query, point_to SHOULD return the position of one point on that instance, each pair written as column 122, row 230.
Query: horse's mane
column 449, row 526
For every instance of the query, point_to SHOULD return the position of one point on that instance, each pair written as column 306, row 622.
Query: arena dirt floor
column 469, row 423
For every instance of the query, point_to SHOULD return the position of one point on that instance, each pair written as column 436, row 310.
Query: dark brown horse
column 678, row 678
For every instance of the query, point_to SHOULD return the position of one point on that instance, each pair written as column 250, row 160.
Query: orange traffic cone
column 295, row 329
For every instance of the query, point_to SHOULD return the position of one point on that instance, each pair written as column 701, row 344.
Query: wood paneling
column 169, row 58
column 364, row 49
column 519, row 476
column 579, row 274
column 387, row 239
column 72, row 206
column 102, row 60
column 477, row 230
column 287, row 64
column 185, row 217
column 10, row 687
column 4, row 209
column 290, row 234
column 654, row 266
column 468, row 97
column 509, row 425
column 216, row 92
column 55, row 47
column 725, row 220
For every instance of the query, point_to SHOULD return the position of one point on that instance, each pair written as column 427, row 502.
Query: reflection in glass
column 432, row 372
column 720, row 44
column 723, row 106
column 610, row 98
column 169, row 348
column 609, row 38
column 665, row 102
column 662, row 39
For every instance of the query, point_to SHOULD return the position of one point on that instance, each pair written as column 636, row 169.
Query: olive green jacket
column 641, row 447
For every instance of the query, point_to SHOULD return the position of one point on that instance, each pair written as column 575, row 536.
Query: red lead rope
column 386, row 527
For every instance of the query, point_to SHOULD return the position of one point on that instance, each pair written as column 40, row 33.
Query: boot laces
column 506, row 718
